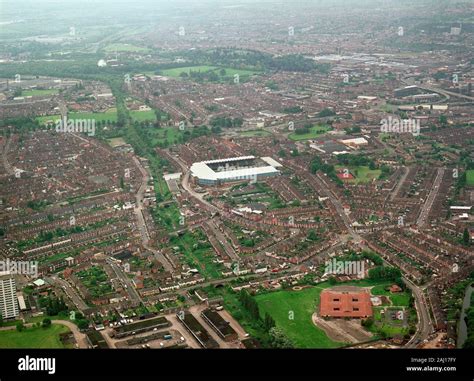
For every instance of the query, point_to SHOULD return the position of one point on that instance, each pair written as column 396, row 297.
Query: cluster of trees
column 385, row 273
column 274, row 335
column 278, row 339
column 249, row 304
column 292, row 110
column 53, row 305
column 318, row 165
column 18, row 125
column 469, row 318
column 326, row 112
column 312, row 235
column 226, row 122
column 306, row 129
column 356, row 161
column 249, row 59
column 466, row 237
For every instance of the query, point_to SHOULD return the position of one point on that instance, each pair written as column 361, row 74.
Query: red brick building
column 354, row 303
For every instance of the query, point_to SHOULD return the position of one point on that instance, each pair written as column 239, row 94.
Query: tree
column 367, row 323
column 82, row 324
column 269, row 322
column 1, row 320
column 466, row 240
column 278, row 339
column 312, row 236
column 46, row 323
column 20, row 326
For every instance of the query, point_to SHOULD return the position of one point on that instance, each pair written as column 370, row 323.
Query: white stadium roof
column 204, row 172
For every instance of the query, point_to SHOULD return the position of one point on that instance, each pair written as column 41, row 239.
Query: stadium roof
column 204, row 172
column 229, row 159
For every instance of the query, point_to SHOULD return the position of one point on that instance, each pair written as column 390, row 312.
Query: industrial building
column 215, row 172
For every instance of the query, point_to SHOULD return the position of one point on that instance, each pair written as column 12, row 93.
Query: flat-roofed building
column 8, row 299
column 219, row 325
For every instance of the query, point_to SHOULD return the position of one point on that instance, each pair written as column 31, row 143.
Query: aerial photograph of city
column 244, row 177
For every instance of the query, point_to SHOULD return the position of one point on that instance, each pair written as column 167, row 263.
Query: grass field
column 254, row 133
column 43, row 120
column 120, row 47
column 38, row 92
column 470, row 177
column 160, row 135
column 303, row 304
column 363, row 174
column 33, row 337
column 98, row 116
column 143, row 116
column 400, row 299
column 315, row 131
column 116, row 142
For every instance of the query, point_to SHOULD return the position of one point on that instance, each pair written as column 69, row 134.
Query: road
column 395, row 192
column 425, row 326
column 223, row 241
column 426, row 209
column 134, row 296
column 69, row 291
column 144, row 233
column 80, row 337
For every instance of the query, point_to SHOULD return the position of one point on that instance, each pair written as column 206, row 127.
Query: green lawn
column 33, row 337
column 470, row 177
column 315, row 131
column 303, row 304
column 98, row 116
column 44, row 120
column 160, row 135
column 401, row 299
column 38, row 92
column 143, row 116
column 121, row 47
column 363, row 174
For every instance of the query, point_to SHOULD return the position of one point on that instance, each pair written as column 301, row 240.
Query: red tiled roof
column 345, row 304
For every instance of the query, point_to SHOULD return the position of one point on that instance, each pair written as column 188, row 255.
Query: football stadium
column 216, row 172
